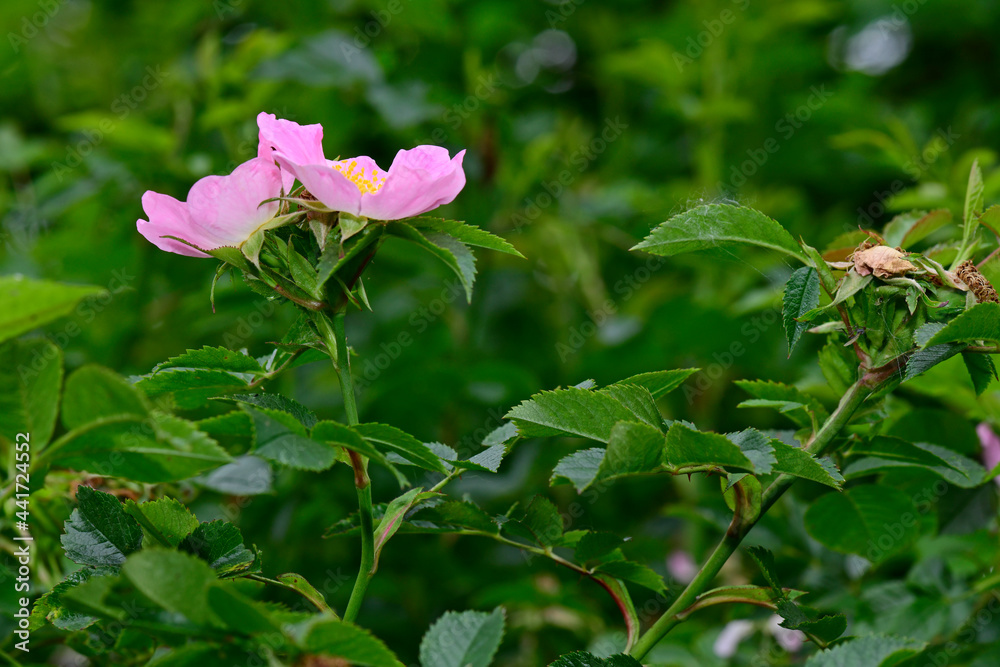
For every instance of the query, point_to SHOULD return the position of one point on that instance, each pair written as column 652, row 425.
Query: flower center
column 367, row 183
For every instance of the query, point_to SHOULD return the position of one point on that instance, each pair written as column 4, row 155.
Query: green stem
column 740, row 526
column 336, row 342
column 344, row 369
column 365, row 570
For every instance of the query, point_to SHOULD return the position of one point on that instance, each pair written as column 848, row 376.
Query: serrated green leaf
column 633, row 572
column 869, row 650
column 26, row 304
column 49, row 607
column 166, row 519
column 633, row 448
column 124, row 447
column 584, row 659
column 455, row 254
column 299, row 583
column 637, row 400
column 339, row 435
column 464, row 232
column 981, row 370
column 174, row 580
column 99, row 532
column 463, row 639
column 220, row 544
column 660, row 383
column 489, row 459
column 213, row 358
column 850, row 284
column 245, row 476
column 907, row 229
column 579, row 468
column 838, row 366
column 457, row 514
column 501, row 434
column 238, row 612
column 595, row 545
column 801, row 296
column 572, row 411
column 765, row 561
column 543, row 520
column 197, row 375
column 719, row 226
column 974, row 201
column 281, row 438
column 775, row 391
column 824, row 628
column 331, row 637
column 981, row 322
column 688, row 447
column 795, row 461
column 821, row 266
column 31, row 374
column 757, row 447
column 304, row 415
column 93, row 392
column 871, row 521
column 390, row 438
column 928, row 357
column 886, row 453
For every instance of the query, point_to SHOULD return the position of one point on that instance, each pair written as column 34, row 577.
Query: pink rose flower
column 420, row 179
column 220, row 210
column 990, row 443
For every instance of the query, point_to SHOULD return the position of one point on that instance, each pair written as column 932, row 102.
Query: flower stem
column 336, row 343
column 831, row 428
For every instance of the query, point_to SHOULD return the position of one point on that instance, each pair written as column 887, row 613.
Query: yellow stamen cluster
column 367, row 184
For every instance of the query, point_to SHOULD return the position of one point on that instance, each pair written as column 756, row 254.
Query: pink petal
column 169, row 217
column 790, row 640
column 990, row 443
column 329, row 186
column 419, row 180
column 286, row 141
column 229, row 207
column 681, row 566
column 728, row 641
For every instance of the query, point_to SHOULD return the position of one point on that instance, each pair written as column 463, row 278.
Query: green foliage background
column 108, row 99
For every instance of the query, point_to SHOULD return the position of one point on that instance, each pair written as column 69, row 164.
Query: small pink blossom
column 419, row 180
column 990, row 443
column 681, row 566
column 728, row 641
column 220, row 210
column 790, row 640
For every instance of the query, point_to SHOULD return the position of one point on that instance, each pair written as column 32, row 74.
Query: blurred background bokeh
column 586, row 124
